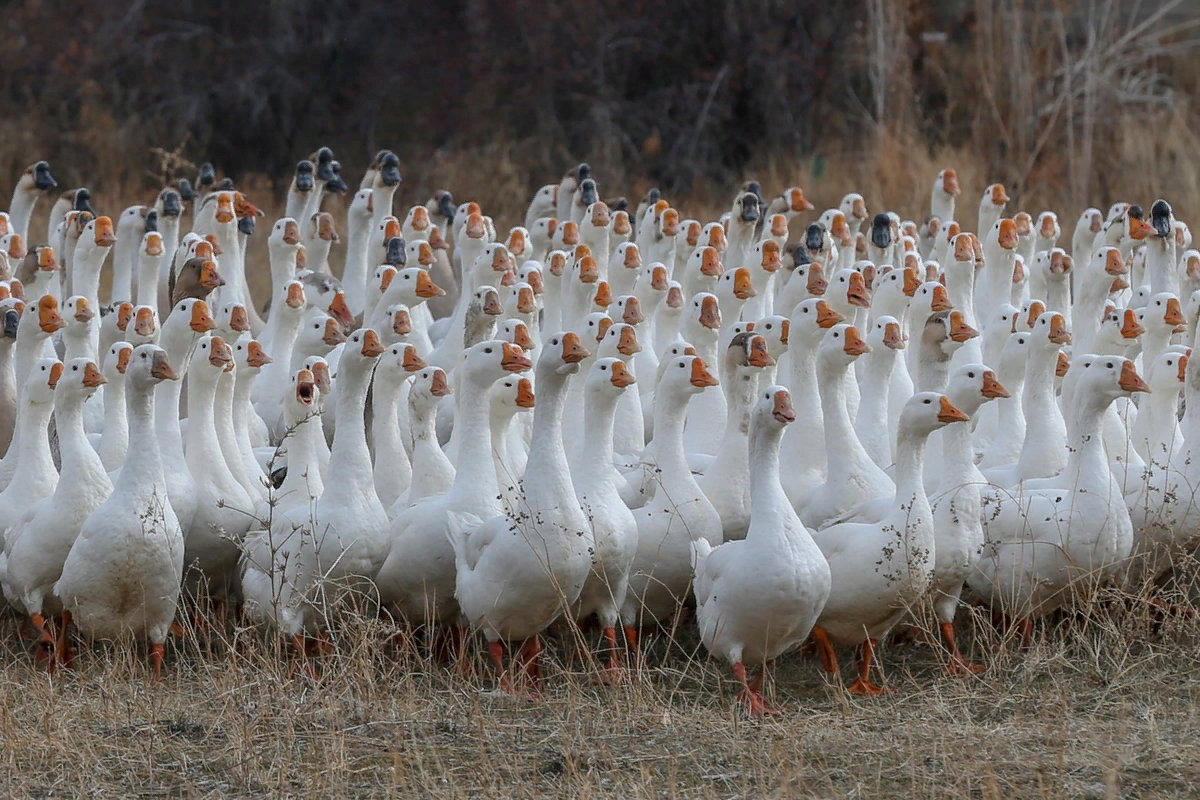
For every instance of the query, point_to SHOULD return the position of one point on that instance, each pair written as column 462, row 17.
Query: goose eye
column 970, row 374
column 681, row 365
column 75, row 369
column 487, row 349
column 603, row 368
column 1110, row 366
column 926, row 402
column 768, row 326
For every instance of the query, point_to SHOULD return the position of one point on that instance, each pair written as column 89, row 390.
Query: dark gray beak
column 83, row 200
column 172, row 203
column 1160, row 218
column 246, row 226
column 814, row 236
column 587, row 191
column 186, row 192
column 151, row 221
column 226, row 185
column 446, row 207
column 11, row 320
column 585, row 172
column 335, row 184
column 42, row 178
column 396, row 255
column 325, row 164
column 881, row 231
column 750, row 208
column 207, row 176
column 389, row 169
column 304, row 176
column 800, row 255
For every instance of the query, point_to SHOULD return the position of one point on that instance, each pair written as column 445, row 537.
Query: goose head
column 774, row 409
column 854, row 207
column 522, row 300
column 972, row 385
column 44, row 317
column 198, row 278
column 10, row 310
column 627, row 309
column 945, row 185
column 213, row 356
column 509, row 396
column 938, row 342
column 1162, row 221
column 703, row 318
column 1168, row 372
column 442, row 203
column 768, row 255
column 514, row 331
column 13, row 247
column 488, row 361
column 619, row 339
column 627, row 256
column 840, row 346
column 319, row 367
column 429, row 386
column 746, row 354
column 930, row 229
column 562, row 353
column 144, row 327
column 79, row 313
column 620, row 228
column 734, row 286
column 363, row 348
column 653, row 279
column 881, row 231
column 386, row 168
column 1050, row 331
column 926, row 412
column 531, row 273
column 886, row 332
column 517, row 244
column 305, row 396
column 1090, row 222
column 149, row 367
column 398, row 362
column 995, row 198
column 1025, row 230
column 1163, row 314
column 809, row 321
column 36, row 178
column 1030, row 311
column 96, row 238
column 232, row 320
column 1105, row 378
column 609, row 377
column 249, row 356
column 682, row 376
column 188, row 318
column 1047, row 229
column 789, row 202
column 117, row 361
column 775, row 329
column 713, row 235
column 399, row 322
column 42, row 381
column 40, row 262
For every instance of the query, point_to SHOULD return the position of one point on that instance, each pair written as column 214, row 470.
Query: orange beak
column 674, row 297
column 209, row 277
column 202, row 321
column 521, row 337
column 857, row 294
column 291, row 232
column 491, row 303
column 1008, row 238
column 950, row 413
column 420, row 218
column 476, row 228
column 525, row 396
column 710, row 313
column 1058, row 330
column 717, row 238
column 56, row 372
column 941, row 299
column 603, row 297
column 858, row 208
column 162, row 369
column 83, row 310
column 950, row 182
column 999, row 195
column 153, row 246
column 144, row 323
column 826, row 316
column 401, row 323
column 438, row 386
column 1062, row 367
column 1130, row 327
column 105, row 237
column 621, row 225
column 670, row 222
column 633, row 257
column 817, row 284
column 621, row 377
column 892, row 337
column 1036, row 309
column 1047, row 227
column 1130, row 381
column 46, row 259
column 570, row 235
column 797, row 202
column 513, row 358
column 1183, row 362
column 600, row 215
column 391, row 229
column 220, row 355
column 960, row 331
column 783, row 411
column 771, row 260
column 1060, row 263
column 759, row 355
column 424, row 254
column 412, row 362
column 701, row 377
column 1113, row 264
column 426, row 287
column 658, row 279
column 693, row 233
column 633, row 312
column 854, row 344
column 602, row 328
column 204, row 249
column 371, row 346
column 333, row 335
column 779, row 226
column 588, row 271
column 224, row 213
column 911, row 281
column 304, row 386
column 255, row 355
column 243, row 208
column 123, row 358
column 16, row 248
column 49, row 319
column 386, row 276
column 710, row 262
column 534, row 279
column 1139, row 229
column 628, row 343
column 92, row 377
column 1174, row 315
column 516, row 241
column 526, row 303
column 573, row 350
column 743, row 287
column 1024, row 223
column 124, row 315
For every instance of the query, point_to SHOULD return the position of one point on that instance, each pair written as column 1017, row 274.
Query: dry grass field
column 1104, row 706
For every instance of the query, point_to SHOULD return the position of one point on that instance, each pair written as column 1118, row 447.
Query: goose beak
column 412, row 362
column 291, row 232
column 83, row 311
column 854, row 345
column 1139, row 229
column 1007, row 237
column 857, row 294
column 1058, row 330
column 701, row 378
column 779, row 226
column 521, row 337
column 603, row 297
column 911, row 281
column 210, row 278
column 759, row 356
column 1113, row 263
column 633, row 257
column 710, row 313
column 950, row 183
column 123, row 359
column 161, row 368
column 620, row 224
column 633, row 312
column 153, row 245
column 333, row 335
column 424, row 254
column 949, row 413
column 941, row 299
column 743, row 287
column 525, row 395
column 621, row 377
column 573, row 350
column 588, row 271
column 710, row 262
column 239, row 320
column 674, row 297
column 16, row 247
column 320, row 371
column 1062, row 367
column 220, row 354
column 602, row 328
column 491, row 303
column 628, row 344
column 783, row 411
column 1174, row 315
column 202, row 321
column 144, row 323
column 401, row 323
column 992, row 387
column 1036, row 309
column 12, row 319
column 892, row 337
column 513, row 358
column 305, row 387
column 1130, row 381
column 371, row 346
column 1130, row 327
column 295, row 295
column 255, row 355
column 785, row 329
column 817, row 284
column 340, row 310
column 999, row 195
column 797, row 202
column 526, row 304
column 1183, row 362
column 105, row 237
column 438, row 386
column 56, row 372
column 48, row 317
column 826, row 316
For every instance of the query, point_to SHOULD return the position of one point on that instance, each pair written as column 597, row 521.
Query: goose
column 931, row 298
column 1155, row 432
column 1087, row 227
column 319, row 236
column 999, row 256
column 667, row 316
column 393, row 471
column 1053, row 268
column 582, row 199
column 37, row 545
column 759, row 597
column 131, row 226
column 39, row 273
column 927, row 238
column 249, row 429
column 432, row 471
column 122, row 574
column 144, row 328
column 38, row 322
column 544, row 204
column 1050, row 540
column 507, row 398
column 513, row 587
column 871, row 425
column 701, row 271
column 1162, row 318
column 851, row 474
column 624, row 267
column 566, row 189
column 790, row 202
column 879, row 242
column 95, row 241
column 803, row 456
column 991, row 206
column 283, row 327
column 597, row 488
column 32, row 475
column 726, row 481
column 1009, row 421
column 735, row 288
column 702, row 328
column 300, row 188
column 679, row 514
column 879, row 570
column 11, row 309
column 417, row 578
column 213, row 537
column 1090, row 293
column 765, row 261
column 35, row 183
column 775, row 329
column 541, row 237
column 941, row 245
column 149, row 258
column 942, row 196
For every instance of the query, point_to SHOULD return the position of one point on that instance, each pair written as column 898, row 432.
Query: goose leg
column 156, row 655
column 530, row 658
column 862, row 684
column 496, row 651
column 829, row 661
column 45, row 642
column 751, row 693
column 1025, row 626
column 958, row 665
column 300, row 642
column 63, row 654
column 613, row 671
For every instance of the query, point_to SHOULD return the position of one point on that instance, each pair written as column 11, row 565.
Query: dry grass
column 1103, row 706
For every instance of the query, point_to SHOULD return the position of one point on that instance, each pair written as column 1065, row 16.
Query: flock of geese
column 803, row 443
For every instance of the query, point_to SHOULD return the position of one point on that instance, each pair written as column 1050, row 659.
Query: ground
column 1105, row 706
